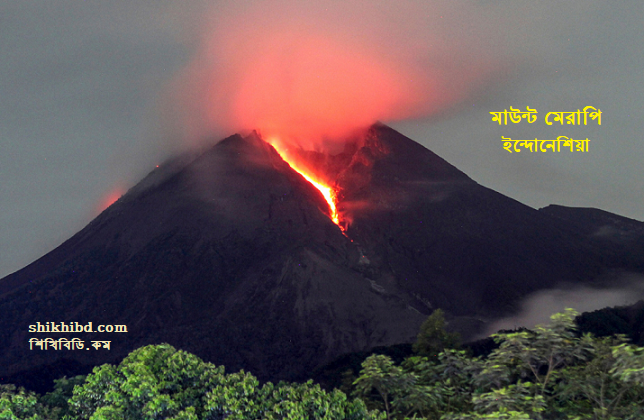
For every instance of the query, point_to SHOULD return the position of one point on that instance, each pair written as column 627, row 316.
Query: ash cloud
column 313, row 71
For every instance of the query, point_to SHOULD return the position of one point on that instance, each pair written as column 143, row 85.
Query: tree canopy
column 548, row 373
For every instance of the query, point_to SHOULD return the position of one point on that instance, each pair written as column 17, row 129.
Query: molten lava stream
column 327, row 192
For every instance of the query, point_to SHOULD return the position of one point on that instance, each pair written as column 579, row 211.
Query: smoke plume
column 314, row 71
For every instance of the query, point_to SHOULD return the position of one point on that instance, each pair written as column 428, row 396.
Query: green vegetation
column 17, row 403
column 433, row 338
column 548, row 373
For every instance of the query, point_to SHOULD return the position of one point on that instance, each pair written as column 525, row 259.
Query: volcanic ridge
column 233, row 255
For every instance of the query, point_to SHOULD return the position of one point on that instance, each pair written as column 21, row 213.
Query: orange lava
column 327, row 192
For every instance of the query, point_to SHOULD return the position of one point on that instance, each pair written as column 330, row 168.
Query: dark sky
column 82, row 84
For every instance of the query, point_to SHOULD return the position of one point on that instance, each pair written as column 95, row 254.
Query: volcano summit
column 234, row 256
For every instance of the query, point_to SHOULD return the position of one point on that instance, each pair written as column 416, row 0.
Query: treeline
column 550, row 372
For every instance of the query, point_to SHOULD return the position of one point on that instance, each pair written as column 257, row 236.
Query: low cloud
column 537, row 308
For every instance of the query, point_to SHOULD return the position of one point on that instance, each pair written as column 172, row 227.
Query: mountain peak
column 232, row 255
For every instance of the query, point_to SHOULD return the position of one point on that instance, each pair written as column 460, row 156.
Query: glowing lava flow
column 327, row 192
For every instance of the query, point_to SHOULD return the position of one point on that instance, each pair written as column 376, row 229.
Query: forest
column 550, row 372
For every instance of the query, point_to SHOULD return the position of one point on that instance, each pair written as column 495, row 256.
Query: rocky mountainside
column 623, row 235
column 231, row 255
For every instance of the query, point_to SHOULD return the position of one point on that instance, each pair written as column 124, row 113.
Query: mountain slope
column 231, row 255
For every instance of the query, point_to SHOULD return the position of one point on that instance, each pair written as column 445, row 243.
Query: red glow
column 110, row 198
column 303, row 86
column 289, row 72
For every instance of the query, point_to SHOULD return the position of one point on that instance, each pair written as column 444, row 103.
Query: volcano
column 233, row 255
